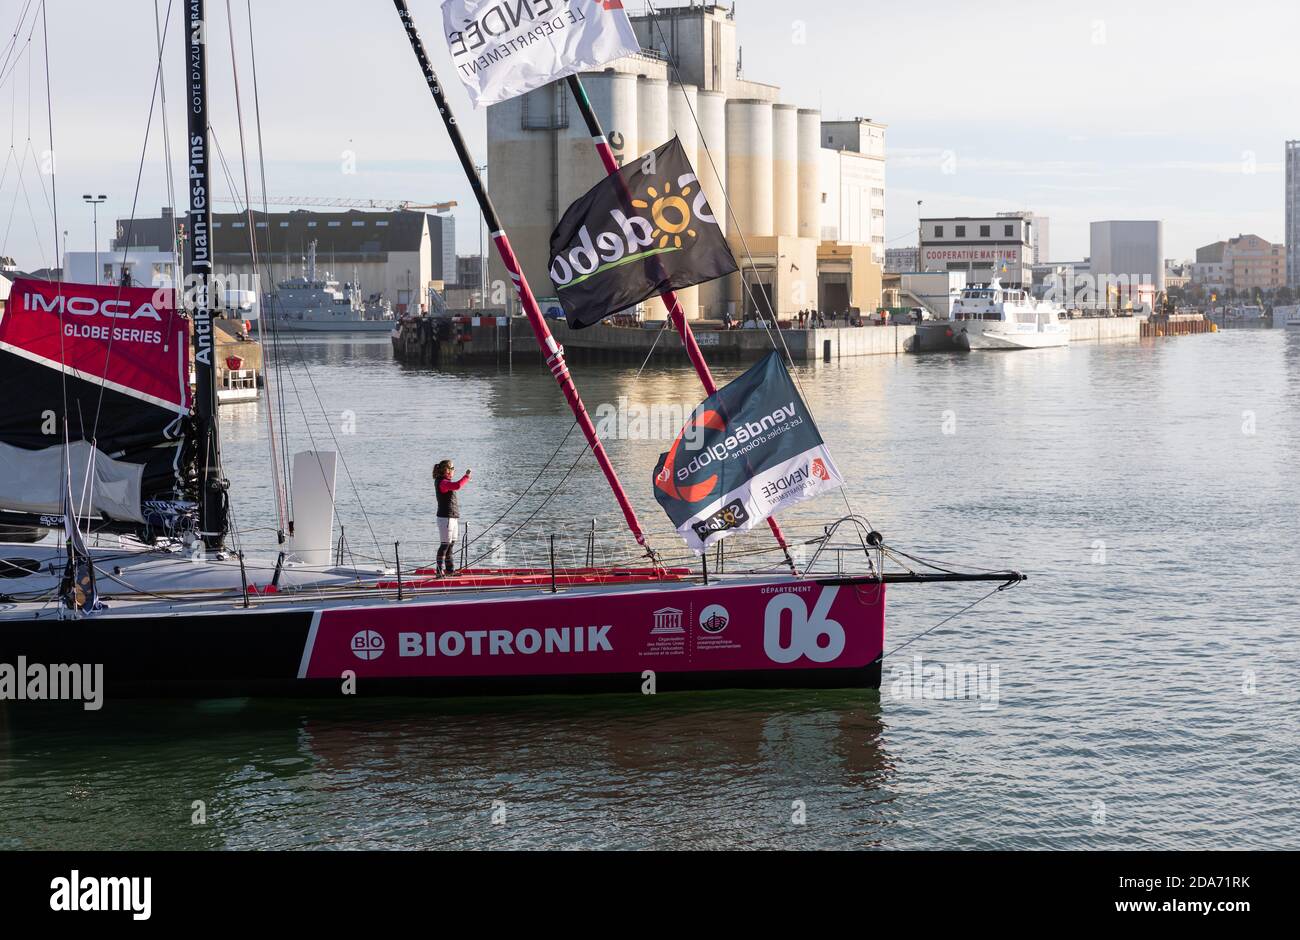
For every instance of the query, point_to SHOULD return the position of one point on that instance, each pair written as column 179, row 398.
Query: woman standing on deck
column 446, row 491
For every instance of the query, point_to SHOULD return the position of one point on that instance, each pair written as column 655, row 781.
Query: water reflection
column 674, row 770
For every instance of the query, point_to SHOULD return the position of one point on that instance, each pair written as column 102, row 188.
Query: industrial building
column 1292, row 239
column 1128, row 254
column 900, row 260
column 981, row 247
column 811, row 220
column 853, row 183
column 396, row 254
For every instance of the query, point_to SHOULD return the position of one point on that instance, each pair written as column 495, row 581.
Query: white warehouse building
column 766, row 155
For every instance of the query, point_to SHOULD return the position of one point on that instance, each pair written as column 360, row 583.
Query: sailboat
column 173, row 609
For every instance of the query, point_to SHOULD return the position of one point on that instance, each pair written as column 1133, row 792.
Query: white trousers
column 448, row 530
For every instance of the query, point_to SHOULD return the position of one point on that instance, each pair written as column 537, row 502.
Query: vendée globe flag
column 504, row 48
column 640, row 232
column 746, row 452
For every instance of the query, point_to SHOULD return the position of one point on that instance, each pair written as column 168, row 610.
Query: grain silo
column 810, row 196
column 652, row 96
column 614, row 97
column 749, row 164
column 682, row 102
column 785, row 170
column 711, row 150
column 711, row 165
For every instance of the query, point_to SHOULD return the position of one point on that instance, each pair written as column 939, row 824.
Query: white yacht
column 996, row 317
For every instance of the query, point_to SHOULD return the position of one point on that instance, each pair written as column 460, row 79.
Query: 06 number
column 806, row 630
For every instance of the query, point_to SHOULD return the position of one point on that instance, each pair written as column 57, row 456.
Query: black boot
column 442, row 560
column 451, row 555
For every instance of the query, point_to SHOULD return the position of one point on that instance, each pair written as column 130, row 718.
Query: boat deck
column 484, row 585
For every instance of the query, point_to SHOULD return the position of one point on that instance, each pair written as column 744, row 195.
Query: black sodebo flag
column 635, row 234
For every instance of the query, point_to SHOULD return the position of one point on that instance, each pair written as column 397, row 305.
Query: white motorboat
column 994, row 317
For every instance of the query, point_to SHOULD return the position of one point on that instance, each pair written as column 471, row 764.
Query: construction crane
column 389, row 205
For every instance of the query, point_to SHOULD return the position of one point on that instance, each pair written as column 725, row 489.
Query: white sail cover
column 504, row 48
column 33, row 481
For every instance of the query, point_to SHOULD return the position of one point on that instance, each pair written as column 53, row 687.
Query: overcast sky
column 1076, row 110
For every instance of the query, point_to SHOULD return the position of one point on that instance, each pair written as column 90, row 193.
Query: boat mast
column 552, row 352
column 669, row 297
column 212, row 482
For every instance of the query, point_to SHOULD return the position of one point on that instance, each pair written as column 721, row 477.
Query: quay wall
column 1106, row 329
column 507, row 340
column 231, row 341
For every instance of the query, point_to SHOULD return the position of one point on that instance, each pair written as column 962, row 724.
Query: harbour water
column 1143, row 689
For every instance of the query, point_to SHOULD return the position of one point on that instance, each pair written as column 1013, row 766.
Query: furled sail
column 94, row 386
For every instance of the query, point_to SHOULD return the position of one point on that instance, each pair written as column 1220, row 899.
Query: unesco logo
column 714, row 618
column 367, row 645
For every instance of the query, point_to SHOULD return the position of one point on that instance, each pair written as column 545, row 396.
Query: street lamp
column 919, row 204
column 94, row 202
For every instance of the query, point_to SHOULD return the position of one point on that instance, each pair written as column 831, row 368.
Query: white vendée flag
column 504, row 48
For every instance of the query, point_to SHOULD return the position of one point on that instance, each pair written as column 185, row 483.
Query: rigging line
column 280, row 513
column 130, row 224
column 271, row 412
column 549, row 496
column 975, row 603
column 49, row 113
column 31, row 151
column 338, row 449
column 672, row 64
column 662, row 330
column 731, row 213
column 13, row 39
column 267, row 313
column 941, row 566
column 278, row 400
column 4, row 174
column 22, row 187
column 6, row 69
column 167, row 137
column 225, row 170
column 13, row 113
column 66, row 464
column 546, row 466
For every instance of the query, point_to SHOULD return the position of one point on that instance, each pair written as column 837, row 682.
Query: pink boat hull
column 785, row 626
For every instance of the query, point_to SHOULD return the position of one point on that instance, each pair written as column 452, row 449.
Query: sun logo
column 670, row 212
